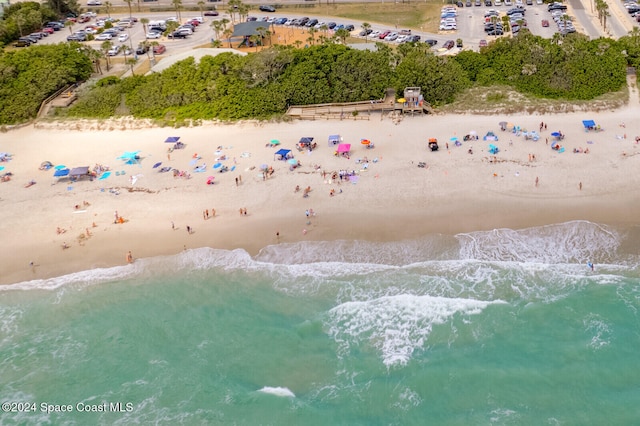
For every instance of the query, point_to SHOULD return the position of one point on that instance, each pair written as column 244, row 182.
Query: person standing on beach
column 537, row 180
column 580, row 186
column 188, row 229
column 129, row 257
column 173, row 226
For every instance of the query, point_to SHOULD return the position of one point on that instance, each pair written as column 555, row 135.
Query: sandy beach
column 389, row 198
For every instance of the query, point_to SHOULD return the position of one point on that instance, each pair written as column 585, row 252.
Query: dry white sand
column 392, row 199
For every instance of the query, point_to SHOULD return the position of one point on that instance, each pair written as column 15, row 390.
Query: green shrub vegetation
column 28, row 76
column 262, row 85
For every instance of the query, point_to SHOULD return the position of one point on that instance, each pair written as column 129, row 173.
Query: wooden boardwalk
column 355, row 110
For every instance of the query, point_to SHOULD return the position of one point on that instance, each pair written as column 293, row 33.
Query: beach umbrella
column 60, row 167
column 402, row 100
column 275, row 142
column 365, row 141
column 172, row 139
column 217, row 165
column 555, row 134
column 453, row 139
column 155, row 166
column 510, row 125
column 502, row 123
column 193, row 162
column 292, row 161
column 263, row 167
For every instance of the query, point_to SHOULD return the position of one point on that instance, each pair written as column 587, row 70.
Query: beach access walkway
column 356, row 110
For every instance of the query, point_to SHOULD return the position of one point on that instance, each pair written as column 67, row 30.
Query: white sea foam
column 577, row 241
column 599, row 331
column 278, row 391
column 395, row 325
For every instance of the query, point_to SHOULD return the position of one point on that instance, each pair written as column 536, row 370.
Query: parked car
column 449, row 44
column 431, row 42
column 47, row 30
column 483, row 43
column 94, row 3
column 153, row 34
column 311, row 23
column 113, row 51
column 123, row 37
column 545, row 23
column 267, row 8
column 159, row 49
column 177, row 34
column 104, row 36
column 211, row 13
column 384, row 34
column 21, row 43
column 349, row 27
column 365, row 32
column 459, row 43
column 142, row 49
column 391, row 37
column 413, row 38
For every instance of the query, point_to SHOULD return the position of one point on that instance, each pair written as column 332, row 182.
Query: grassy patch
column 505, row 100
column 424, row 16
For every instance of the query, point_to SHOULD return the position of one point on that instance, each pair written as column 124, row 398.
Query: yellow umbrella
column 402, row 100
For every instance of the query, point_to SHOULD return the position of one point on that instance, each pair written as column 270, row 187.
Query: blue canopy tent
column 493, row 149
column 590, row 125
column 61, row 173
column 334, row 140
column 130, row 157
column 283, row 154
column 172, row 139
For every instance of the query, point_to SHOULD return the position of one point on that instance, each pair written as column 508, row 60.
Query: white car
column 154, row 34
column 123, row 37
column 198, row 18
column 104, row 36
column 374, row 34
column 114, row 51
column 94, row 3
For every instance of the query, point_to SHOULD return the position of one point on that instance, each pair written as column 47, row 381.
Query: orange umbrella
column 365, row 141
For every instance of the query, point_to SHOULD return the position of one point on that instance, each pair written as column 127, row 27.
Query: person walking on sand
column 580, row 186
column 129, row 257
column 537, row 180
column 188, row 229
column 173, row 226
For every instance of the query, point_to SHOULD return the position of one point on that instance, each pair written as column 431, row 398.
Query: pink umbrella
column 344, row 147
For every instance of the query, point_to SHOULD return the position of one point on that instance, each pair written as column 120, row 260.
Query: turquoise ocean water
column 501, row 327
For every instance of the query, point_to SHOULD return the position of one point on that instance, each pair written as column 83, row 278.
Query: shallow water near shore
column 497, row 327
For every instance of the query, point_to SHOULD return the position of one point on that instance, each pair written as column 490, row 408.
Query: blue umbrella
column 155, row 166
column 292, row 161
column 60, row 167
column 556, row 134
column 217, row 165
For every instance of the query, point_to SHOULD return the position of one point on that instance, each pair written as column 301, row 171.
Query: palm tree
column 131, row 62
column 233, row 6
column 261, row 32
column 254, row 39
column 224, row 21
column 201, row 7
column 312, row 36
column 217, row 26
column 366, row 27
column 243, row 11
column 227, row 34
column 106, row 47
column 298, row 43
column 144, row 22
column 216, row 43
column 177, row 4
column 128, row 2
column 138, row 3
column 107, row 6
column 342, row 34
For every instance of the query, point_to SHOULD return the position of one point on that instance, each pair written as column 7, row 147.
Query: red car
column 483, row 43
column 211, row 13
column 545, row 23
column 47, row 30
column 384, row 34
column 159, row 49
